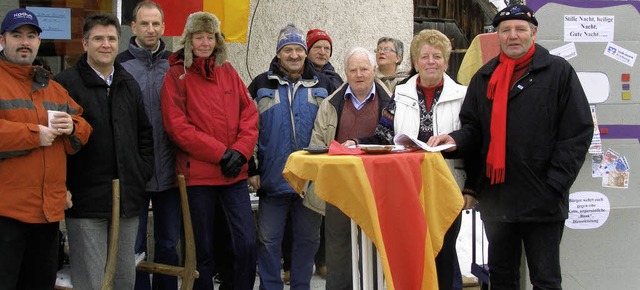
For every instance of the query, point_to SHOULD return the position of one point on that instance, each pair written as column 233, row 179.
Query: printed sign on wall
column 588, row 28
column 587, row 210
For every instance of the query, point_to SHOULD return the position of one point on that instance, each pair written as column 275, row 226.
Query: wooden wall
column 460, row 20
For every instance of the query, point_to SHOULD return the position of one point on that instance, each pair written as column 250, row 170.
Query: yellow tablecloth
column 404, row 203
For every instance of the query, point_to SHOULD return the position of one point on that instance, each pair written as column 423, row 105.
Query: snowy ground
column 463, row 245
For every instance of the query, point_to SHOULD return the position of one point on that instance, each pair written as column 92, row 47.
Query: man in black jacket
column 527, row 120
column 121, row 147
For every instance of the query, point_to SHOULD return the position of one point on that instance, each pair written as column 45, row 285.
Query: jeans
column 272, row 216
column 541, row 242
column 28, row 255
column 236, row 206
column 166, row 233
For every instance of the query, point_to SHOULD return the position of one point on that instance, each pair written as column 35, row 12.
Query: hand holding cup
column 60, row 121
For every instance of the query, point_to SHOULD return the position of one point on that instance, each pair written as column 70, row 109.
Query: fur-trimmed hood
column 203, row 21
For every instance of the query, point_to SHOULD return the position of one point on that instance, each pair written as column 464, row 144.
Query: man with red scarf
column 526, row 121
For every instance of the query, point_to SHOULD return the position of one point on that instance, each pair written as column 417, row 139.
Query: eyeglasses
column 99, row 39
column 385, row 50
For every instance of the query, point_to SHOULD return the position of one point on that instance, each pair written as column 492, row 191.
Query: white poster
column 567, row 51
column 587, row 210
column 55, row 22
column 588, row 28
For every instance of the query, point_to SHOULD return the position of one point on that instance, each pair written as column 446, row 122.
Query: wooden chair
column 188, row 272
column 112, row 253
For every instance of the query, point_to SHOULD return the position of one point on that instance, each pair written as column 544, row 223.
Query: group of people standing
column 145, row 114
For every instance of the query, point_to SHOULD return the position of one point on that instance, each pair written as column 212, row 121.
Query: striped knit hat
column 290, row 35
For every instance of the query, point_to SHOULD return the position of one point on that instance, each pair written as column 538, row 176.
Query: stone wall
column 348, row 22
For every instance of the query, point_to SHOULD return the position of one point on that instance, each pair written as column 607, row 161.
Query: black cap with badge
column 519, row 11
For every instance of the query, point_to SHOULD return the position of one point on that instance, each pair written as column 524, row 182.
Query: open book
column 407, row 141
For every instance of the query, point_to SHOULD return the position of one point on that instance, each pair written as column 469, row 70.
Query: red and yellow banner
column 403, row 202
column 233, row 16
column 482, row 49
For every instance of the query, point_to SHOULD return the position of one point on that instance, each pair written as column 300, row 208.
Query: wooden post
column 110, row 267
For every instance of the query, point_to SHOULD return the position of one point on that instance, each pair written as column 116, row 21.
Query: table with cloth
column 404, row 203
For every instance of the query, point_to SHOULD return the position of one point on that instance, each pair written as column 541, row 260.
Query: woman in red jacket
column 208, row 114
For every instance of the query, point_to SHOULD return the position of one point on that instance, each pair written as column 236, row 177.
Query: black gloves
column 231, row 163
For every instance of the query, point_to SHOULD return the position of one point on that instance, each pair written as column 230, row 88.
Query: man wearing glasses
column 121, row 147
column 389, row 53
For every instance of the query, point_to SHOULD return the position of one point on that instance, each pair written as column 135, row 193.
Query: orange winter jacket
column 33, row 177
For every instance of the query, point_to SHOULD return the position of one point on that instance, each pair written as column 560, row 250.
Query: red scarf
column 498, row 91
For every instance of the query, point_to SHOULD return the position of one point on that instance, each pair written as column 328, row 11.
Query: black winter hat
column 518, row 11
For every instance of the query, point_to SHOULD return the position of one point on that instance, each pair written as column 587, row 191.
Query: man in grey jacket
column 146, row 60
column 352, row 111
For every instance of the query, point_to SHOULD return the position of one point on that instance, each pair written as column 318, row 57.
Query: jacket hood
column 143, row 53
column 308, row 73
column 200, row 65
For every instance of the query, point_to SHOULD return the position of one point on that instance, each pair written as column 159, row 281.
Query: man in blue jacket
column 288, row 97
column 146, row 60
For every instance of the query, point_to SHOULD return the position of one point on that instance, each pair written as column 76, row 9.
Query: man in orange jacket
column 32, row 157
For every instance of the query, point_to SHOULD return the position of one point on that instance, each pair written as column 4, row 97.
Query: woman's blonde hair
column 431, row 37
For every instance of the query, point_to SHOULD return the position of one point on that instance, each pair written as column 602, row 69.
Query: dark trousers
column 28, row 255
column 449, row 276
column 320, row 258
column 541, row 242
column 236, row 206
column 338, row 240
column 222, row 251
column 166, row 234
column 287, row 246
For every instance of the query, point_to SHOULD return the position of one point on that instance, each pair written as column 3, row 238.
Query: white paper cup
column 50, row 116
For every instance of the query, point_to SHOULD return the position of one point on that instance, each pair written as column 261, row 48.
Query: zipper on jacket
column 44, row 178
column 291, row 97
column 518, row 80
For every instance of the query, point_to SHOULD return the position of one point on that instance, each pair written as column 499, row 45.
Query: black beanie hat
column 521, row 12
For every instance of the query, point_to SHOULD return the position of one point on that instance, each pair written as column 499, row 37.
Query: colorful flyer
column 596, row 142
column 613, row 168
